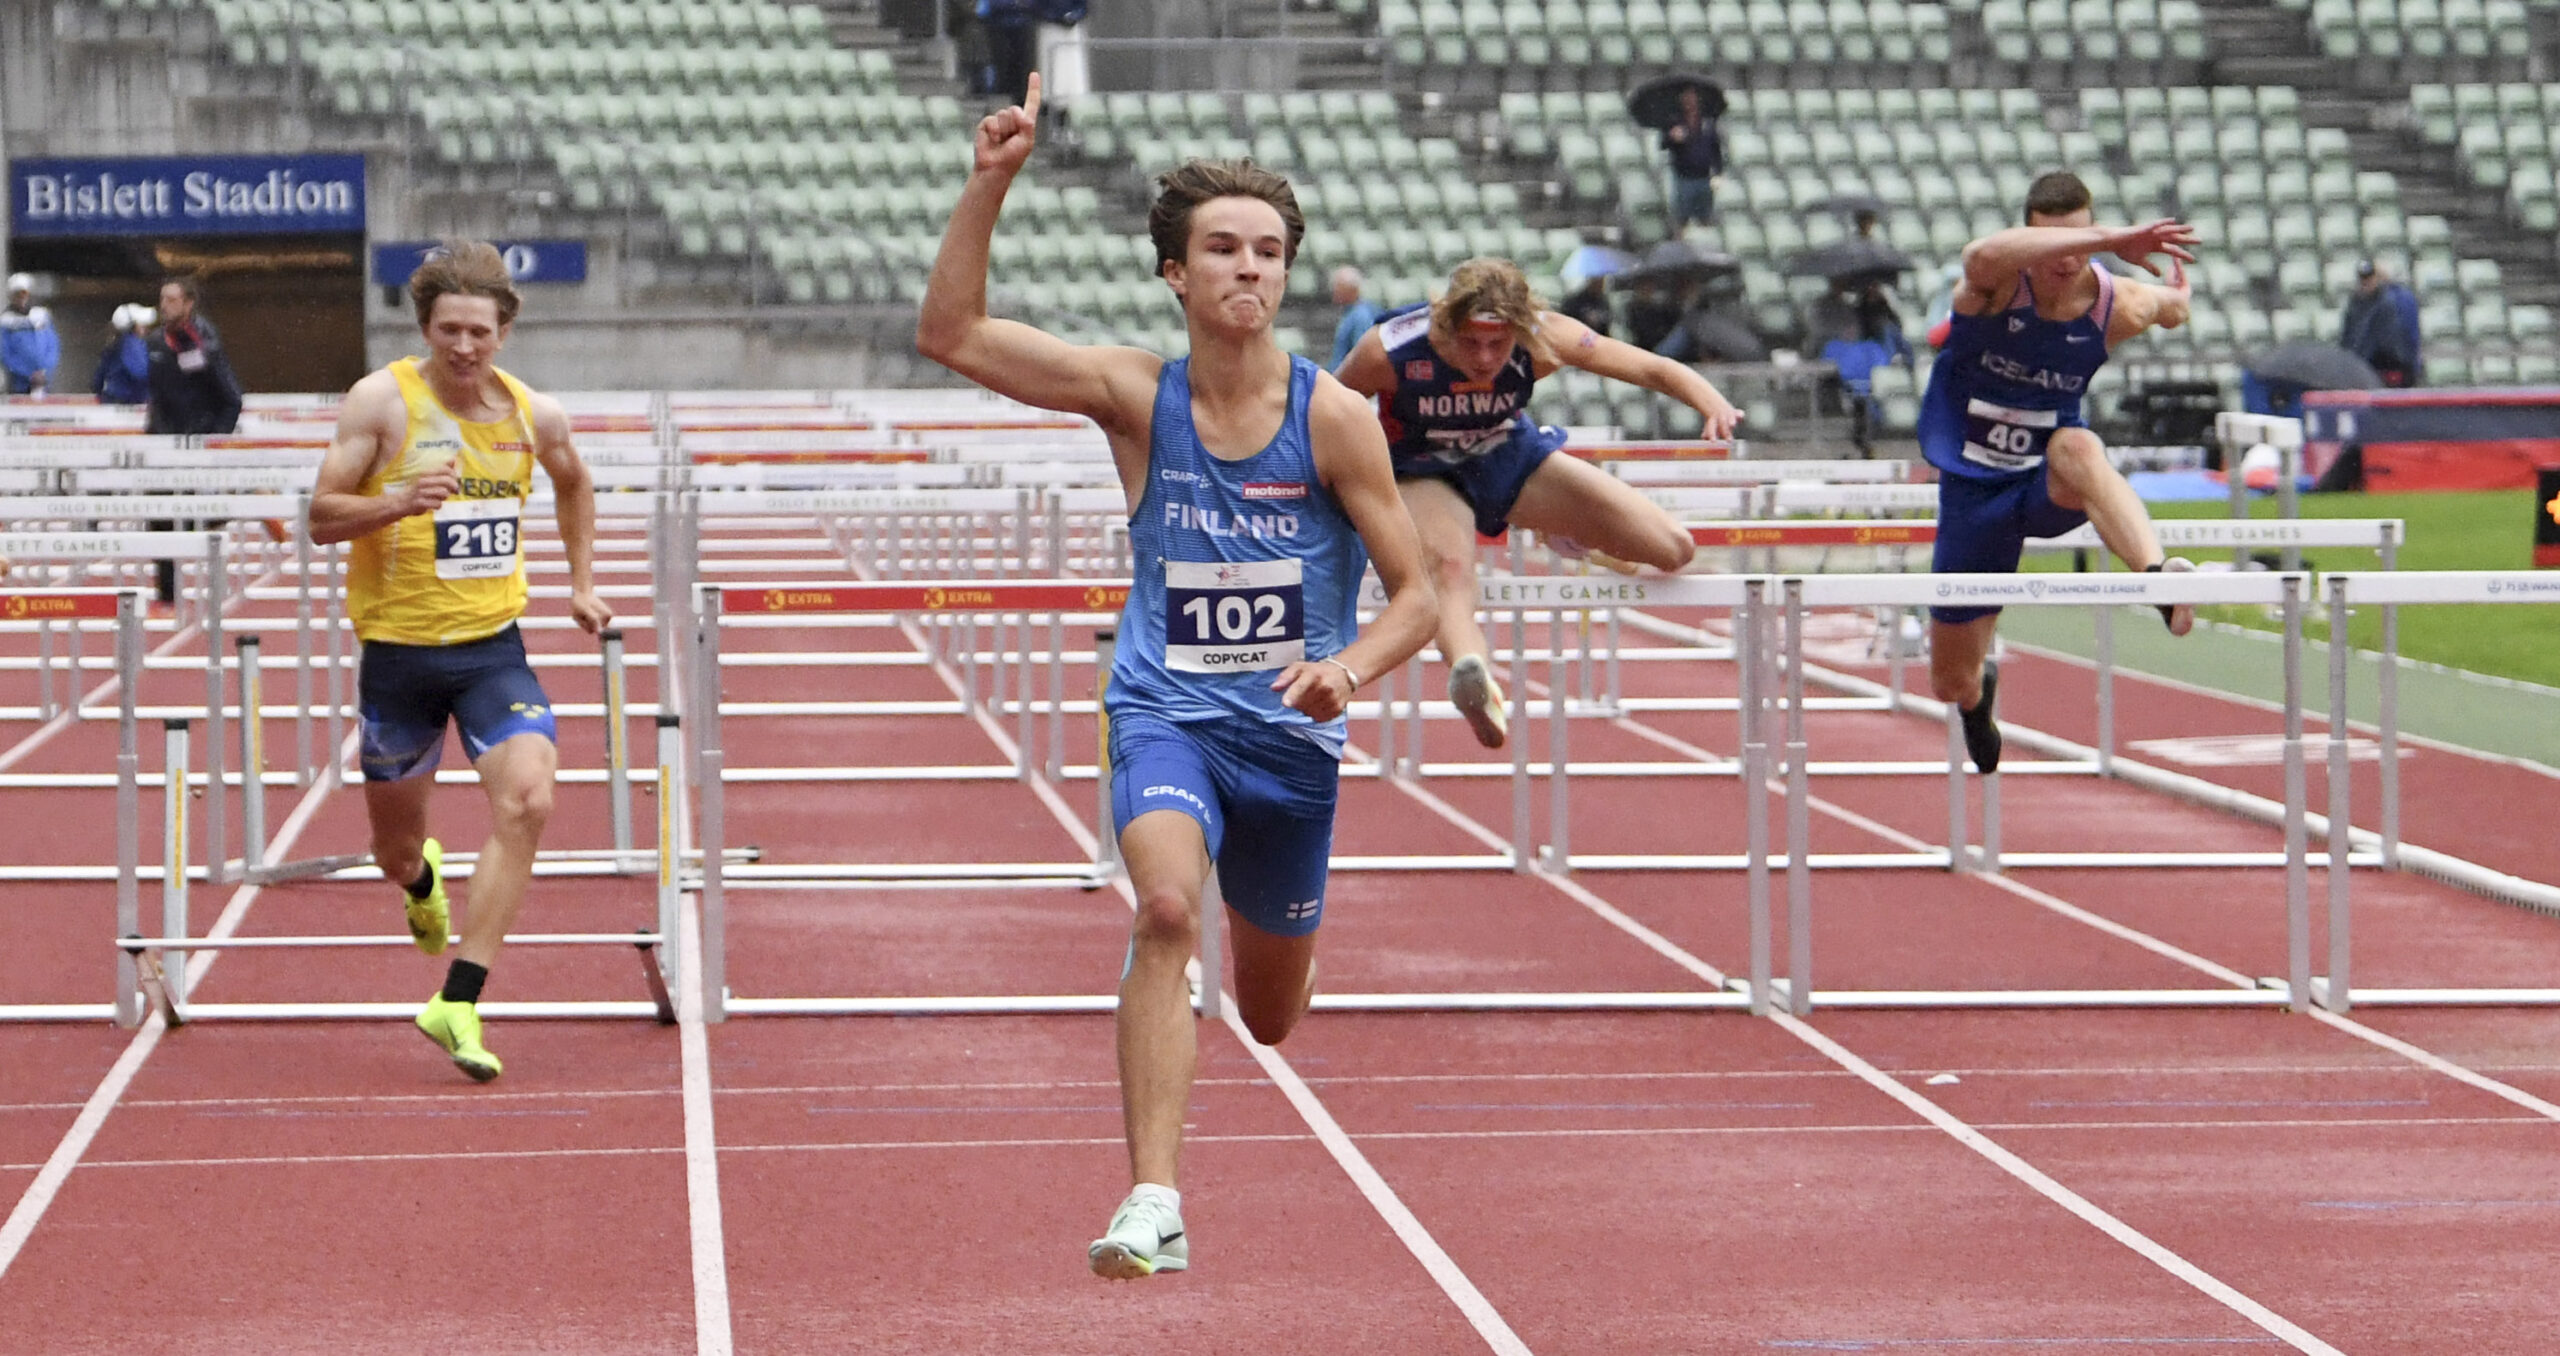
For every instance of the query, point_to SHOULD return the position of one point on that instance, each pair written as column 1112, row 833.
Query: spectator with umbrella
column 1686, row 107
column 2273, row 382
column 1854, row 323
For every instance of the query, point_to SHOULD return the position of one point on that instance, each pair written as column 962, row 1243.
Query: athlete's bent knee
column 522, row 810
column 1673, row 549
column 400, row 858
column 1272, row 1024
column 1167, row 919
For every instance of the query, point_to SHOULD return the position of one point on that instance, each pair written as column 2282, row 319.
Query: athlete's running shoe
column 456, row 1028
column 431, row 918
column 2180, row 616
column 1479, row 699
column 1145, row 1237
column 1981, row 725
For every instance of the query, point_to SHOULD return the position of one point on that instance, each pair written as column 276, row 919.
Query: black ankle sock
column 425, row 884
column 462, row 982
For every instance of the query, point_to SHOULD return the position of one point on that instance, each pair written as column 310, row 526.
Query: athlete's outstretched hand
column 2168, row 236
column 1722, row 418
column 1319, row 689
column 1005, row 136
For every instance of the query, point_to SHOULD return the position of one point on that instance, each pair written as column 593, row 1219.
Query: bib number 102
column 1260, row 616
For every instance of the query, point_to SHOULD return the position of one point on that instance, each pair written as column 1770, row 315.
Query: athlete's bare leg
column 1956, row 652
column 1447, row 527
column 1571, row 497
column 2079, row 477
column 396, row 812
column 1275, row 978
column 1168, row 862
column 517, row 775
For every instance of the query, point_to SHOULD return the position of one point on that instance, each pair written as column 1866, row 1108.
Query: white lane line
column 2044, row 1185
column 38, row 1197
column 711, row 1327
column 2440, row 1064
column 1451, row 1278
column 2051, row 1189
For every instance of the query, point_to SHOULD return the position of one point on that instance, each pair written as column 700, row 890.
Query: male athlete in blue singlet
column 1452, row 381
column 2035, row 318
column 1255, row 483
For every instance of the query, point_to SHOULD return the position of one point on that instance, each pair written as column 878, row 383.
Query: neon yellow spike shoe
column 431, row 918
column 456, row 1028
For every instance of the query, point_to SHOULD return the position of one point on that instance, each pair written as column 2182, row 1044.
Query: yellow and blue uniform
column 435, row 597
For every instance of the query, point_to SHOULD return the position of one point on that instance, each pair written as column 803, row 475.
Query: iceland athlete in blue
column 2035, row 317
column 1256, row 483
column 1452, row 381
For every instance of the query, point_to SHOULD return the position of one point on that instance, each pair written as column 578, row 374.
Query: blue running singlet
column 1242, row 568
column 1437, row 418
column 2006, row 380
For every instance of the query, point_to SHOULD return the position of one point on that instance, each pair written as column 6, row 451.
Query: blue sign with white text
column 528, row 261
column 187, row 195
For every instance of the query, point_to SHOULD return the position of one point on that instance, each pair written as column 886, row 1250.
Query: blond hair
column 464, row 268
column 1486, row 287
column 1181, row 190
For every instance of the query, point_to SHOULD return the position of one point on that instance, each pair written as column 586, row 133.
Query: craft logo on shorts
column 1418, row 370
column 1265, row 489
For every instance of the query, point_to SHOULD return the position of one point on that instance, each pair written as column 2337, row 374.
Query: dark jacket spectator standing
column 1010, row 28
column 1696, row 145
column 1359, row 315
column 192, row 388
column 124, row 365
column 29, row 348
column 2381, row 326
column 1589, row 304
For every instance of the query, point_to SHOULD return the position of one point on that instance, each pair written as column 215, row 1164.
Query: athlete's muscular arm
column 371, row 426
column 1114, row 387
column 1578, row 345
column 1351, row 458
column 1366, row 369
column 573, row 503
column 1993, row 263
column 2143, row 306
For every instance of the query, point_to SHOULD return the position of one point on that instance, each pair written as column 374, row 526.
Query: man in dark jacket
column 192, row 388
column 1696, row 146
column 2381, row 326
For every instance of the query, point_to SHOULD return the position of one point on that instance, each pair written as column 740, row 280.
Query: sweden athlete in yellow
column 427, row 477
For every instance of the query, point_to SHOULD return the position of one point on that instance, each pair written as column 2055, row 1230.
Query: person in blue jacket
column 29, row 348
column 124, row 365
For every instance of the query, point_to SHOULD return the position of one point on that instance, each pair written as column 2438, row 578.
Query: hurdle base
column 1062, row 1004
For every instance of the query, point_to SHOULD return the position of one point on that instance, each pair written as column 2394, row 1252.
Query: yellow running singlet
column 457, row 575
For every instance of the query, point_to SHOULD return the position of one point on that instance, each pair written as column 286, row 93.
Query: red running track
column 1583, row 1182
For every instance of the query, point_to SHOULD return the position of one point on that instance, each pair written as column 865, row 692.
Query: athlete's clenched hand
column 1312, row 686
column 589, row 611
column 428, row 492
column 1005, row 136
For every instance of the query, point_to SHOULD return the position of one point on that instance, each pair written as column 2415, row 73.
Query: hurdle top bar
column 32, row 547
column 2052, row 589
column 994, row 595
column 1759, row 472
column 2446, row 586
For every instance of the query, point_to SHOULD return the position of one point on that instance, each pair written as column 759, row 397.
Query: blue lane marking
column 2012, row 1343
column 2217, row 1102
column 1613, row 1106
column 2429, row 1205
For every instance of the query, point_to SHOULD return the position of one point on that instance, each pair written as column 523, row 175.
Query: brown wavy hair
column 1486, row 285
column 1182, row 189
column 464, row 268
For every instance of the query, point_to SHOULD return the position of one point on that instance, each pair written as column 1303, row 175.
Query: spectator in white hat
column 29, row 348
column 124, row 365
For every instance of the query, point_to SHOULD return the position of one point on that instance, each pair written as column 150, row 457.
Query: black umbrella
column 1856, row 256
column 2315, row 367
column 1846, row 205
column 1656, row 102
column 1723, row 338
column 1675, row 263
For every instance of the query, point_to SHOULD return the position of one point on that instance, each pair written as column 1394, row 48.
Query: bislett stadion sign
column 187, row 195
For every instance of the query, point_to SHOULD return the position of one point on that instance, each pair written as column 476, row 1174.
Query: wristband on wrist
column 1346, row 668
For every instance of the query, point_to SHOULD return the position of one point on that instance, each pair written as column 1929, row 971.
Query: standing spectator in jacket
column 1010, row 28
column 1697, row 160
column 124, row 365
column 29, row 348
column 192, row 388
column 1358, row 314
column 2381, row 326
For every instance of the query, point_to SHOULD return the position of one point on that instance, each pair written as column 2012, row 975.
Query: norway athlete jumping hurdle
column 1452, row 381
column 428, row 476
column 1255, row 481
column 2035, row 318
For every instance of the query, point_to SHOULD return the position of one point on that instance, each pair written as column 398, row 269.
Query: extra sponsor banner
column 56, row 606
column 528, row 261
column 187, row 195
column 1068, row 595
column 1814, row 534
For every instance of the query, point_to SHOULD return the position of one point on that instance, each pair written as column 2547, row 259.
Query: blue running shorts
column 1983, row 526
column 1264, row 799
column 1491, row 482
column 405, row 693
